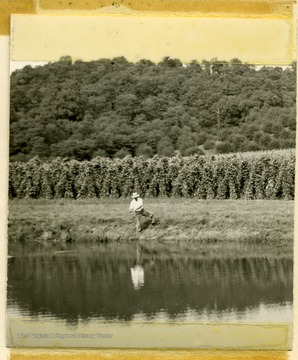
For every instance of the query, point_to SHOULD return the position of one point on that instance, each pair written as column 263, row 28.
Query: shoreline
column 183, row 225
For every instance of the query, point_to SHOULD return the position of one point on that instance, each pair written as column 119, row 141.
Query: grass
column 256, row 226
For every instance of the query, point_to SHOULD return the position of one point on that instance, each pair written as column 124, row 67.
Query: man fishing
column 137, row 207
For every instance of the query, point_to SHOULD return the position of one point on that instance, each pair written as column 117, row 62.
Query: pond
column 135, row 282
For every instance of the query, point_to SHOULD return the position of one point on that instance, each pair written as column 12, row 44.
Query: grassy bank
column 183, row 224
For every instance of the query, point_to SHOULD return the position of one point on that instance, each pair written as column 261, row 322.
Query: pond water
column 134, row 282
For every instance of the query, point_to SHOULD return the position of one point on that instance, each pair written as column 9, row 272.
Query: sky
column 15, row 65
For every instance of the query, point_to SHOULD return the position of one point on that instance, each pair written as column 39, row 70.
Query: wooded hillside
column 113, row 108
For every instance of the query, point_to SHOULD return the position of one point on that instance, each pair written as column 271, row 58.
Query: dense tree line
column 260, row 175
column 116, row 108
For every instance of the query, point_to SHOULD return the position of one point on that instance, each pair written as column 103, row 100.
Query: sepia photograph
column 149, row 194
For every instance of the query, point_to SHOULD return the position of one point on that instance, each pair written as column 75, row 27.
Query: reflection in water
column 102, row 283
column 137, row 276
column 137, row 272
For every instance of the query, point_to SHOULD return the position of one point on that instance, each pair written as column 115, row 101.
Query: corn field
column 264, row 175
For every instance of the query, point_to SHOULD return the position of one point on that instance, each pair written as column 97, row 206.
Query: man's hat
column 135, row 195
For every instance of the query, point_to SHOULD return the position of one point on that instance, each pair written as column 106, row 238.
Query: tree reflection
column 101, row 284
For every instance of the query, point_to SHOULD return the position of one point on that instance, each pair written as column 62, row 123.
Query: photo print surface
column 192, row 119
